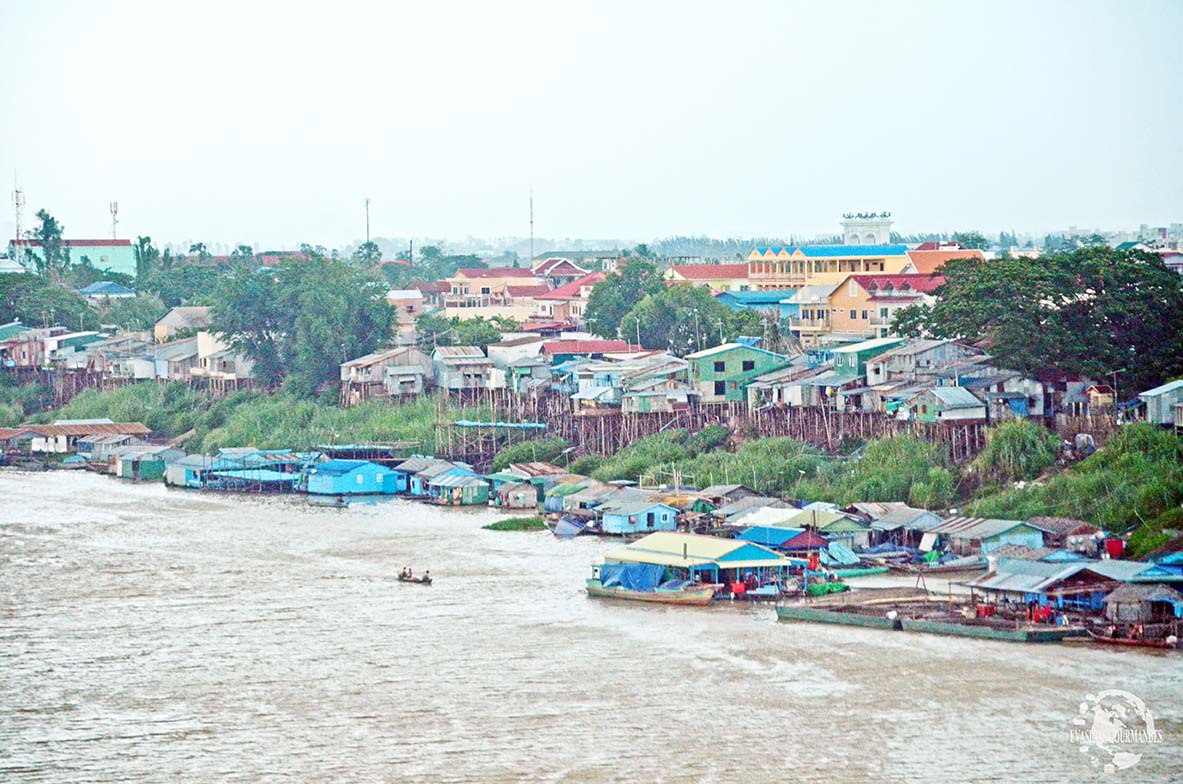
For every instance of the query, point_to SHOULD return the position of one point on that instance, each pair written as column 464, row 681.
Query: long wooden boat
column 984, row 631
column 955, row 568
column 415, row 580
column 795, row 612
column 1131, row 643
column 695, row 596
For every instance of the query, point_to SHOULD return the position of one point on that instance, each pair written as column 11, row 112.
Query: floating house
column 351, row 477
column 188, row 471
column 458, row 487
column 1144, row 604
column 771, row 536
column 459, row 368
column 979, row 536
column 138, row 462
column 98, row 448
column 411, row 475
column 708, row 558
column 629, row 517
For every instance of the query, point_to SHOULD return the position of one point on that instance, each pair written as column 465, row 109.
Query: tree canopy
column 51, row 258
column 611, row 299
column 301, row 319
column 1089, row 312
column 680, row 319
column 35, row 301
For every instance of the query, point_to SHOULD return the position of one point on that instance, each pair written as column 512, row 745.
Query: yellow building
column 809, row 265
column 717, row 277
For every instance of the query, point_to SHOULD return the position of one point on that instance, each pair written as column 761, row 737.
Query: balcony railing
column 801, row 323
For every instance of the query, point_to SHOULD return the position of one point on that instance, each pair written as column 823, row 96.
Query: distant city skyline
column 270, row 124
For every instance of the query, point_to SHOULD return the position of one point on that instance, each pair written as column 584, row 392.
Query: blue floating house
column 351, row 477
column 636, row 516
column 412, row 475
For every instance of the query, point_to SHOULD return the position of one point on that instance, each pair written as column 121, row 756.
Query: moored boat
column 417, row 580
column 843, row 616
column 988, row 631
column 694, row 595
column 567, row 527
column 1100, row 638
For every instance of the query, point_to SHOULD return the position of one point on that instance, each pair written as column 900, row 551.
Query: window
column 720, row 367
column 720, row 387
column 864, row 315
column 853, row 314
column 360, row 479
column 748, row 364
column 649, row 519
column 852, row 292
column 484, row 289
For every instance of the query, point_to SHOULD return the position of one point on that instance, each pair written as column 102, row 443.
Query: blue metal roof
column 769, row 536
column 342, row 467
column 770, row 297
column 105, row 287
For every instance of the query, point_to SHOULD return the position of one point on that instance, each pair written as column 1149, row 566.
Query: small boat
column 1132, row 643
column 950, row 567
column 567, row 527
column 693, row 595
column 424, row 580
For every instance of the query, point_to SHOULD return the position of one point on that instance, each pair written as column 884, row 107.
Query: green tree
column 368, row 254
column 52, row 259
column 147, row 258
column 681, row 319
column 974, row 240
column 38, row 301
column 434, row 330
column 611, row 299
column 475, row 332
column 1090, row 312
column 243, row 256
column 139, row 312
column 302, row 319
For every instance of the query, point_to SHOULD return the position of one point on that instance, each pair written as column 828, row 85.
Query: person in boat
column 426, row 576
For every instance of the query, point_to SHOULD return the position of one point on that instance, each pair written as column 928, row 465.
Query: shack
column 187, row 471
column 980, row 535
column 1143, row 603
column 458, row 487
column 351, row 477
column 630, row 517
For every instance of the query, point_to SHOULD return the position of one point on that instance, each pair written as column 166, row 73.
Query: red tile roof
column 432, row 286
column 571, row 290
column 527, row 291
column 922, row 284
column 927, row 262
column 545, row 326
column 555, row 266
column 711, row 271
column 503, row 272
column 586, row 346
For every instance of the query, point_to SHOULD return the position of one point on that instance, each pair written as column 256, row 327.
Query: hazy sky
column 269, row 123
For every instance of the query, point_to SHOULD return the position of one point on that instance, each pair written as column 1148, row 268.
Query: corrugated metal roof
column 130, row 428
column 975, row 527
column 956, row 397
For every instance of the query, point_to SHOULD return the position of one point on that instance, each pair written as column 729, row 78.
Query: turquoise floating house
column 636, row 516
column 709, row 558
column 458, row 487
column 351, row 477
column 412, row 475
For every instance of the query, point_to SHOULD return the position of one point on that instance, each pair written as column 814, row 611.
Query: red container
column 1115, row 547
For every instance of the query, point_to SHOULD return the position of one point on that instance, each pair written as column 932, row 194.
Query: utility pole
column 114, row 207
column 1116, row 397
column 18, row 202
column 367, row 220
column 531, row 227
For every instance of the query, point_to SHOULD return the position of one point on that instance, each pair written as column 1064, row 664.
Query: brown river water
column 149, row 634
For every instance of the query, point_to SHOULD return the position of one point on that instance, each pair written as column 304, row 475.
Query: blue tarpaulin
column 634, row 577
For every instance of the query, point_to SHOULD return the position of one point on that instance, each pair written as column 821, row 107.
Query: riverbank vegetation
column 534, row 523
column 262, row 420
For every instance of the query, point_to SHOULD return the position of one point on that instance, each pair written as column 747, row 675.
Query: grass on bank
column 534, row 523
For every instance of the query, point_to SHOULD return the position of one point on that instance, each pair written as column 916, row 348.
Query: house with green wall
column 113, row 255
column 722, row 374
column 851, row 361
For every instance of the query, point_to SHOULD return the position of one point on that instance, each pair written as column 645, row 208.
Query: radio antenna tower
column 18, row 203
column 114, row 219
column 531, row 227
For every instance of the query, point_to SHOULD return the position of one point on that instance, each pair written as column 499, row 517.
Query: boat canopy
column 634, row 577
